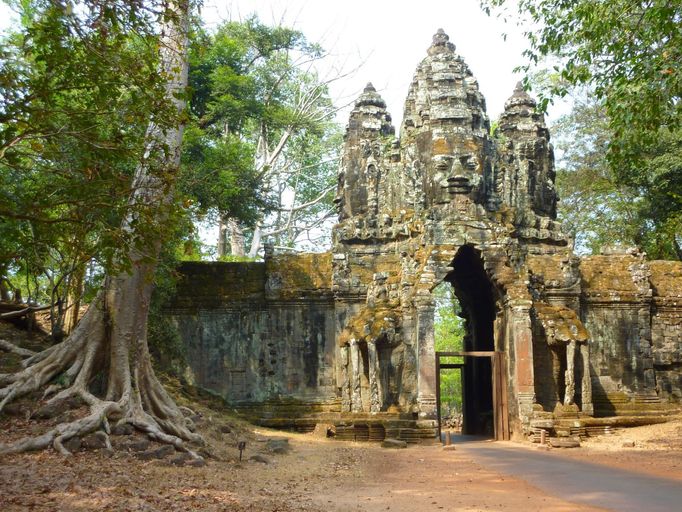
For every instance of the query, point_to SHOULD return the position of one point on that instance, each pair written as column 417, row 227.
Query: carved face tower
column 445, row 160
column 445, row 127
column 444, row 202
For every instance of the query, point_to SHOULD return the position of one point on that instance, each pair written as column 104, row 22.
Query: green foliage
column 596, row 207
column 449, row 332
column 217, row 175
column 628, row 53
column 262, row 147
column 661, row 179
column 78, row 87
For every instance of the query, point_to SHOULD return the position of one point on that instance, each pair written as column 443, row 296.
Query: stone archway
column 476, row 295
column 479, row 300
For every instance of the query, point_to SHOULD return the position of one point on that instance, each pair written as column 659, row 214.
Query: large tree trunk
column 112, row 335
column 256, row 240
column 236, row 238
column 230, row 233
column 73, row 299
column 222, row 237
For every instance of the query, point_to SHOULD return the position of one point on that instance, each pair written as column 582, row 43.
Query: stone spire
column 441, row 43
column 519, row 98
column 446, row 112
column 520, row 114
column 362, row 164
column 369, row 114
column 370, row 96
column 529, row 174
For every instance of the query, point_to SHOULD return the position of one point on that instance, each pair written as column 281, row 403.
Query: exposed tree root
column 11, row 347
column 132, row 394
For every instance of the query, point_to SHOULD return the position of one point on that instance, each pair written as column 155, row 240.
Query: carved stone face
column 442, row 167
column 454, row 175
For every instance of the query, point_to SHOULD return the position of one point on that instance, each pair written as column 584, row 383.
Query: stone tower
column 448, row 202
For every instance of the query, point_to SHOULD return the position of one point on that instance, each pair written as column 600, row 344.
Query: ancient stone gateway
column 347, row 337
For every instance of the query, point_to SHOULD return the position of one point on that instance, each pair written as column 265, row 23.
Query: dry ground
column 317, row 474
column 657, row 449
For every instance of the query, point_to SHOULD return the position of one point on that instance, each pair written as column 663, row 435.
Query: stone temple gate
column 347, row 337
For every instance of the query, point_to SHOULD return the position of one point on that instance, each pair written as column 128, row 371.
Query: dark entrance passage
column 483, row 373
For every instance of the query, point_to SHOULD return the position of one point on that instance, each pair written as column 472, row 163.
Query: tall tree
column 111, row 339
column 255, row 88
column 76, row 92
column 627, row 54
column 598, row 209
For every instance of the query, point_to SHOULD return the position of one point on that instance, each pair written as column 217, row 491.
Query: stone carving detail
column 564, row 332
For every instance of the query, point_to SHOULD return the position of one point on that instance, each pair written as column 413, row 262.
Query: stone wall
column 258, row 331
column 632, row 310
column 666, row 327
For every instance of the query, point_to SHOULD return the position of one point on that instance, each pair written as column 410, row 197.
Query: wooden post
column 438, row 395
column 496, row 398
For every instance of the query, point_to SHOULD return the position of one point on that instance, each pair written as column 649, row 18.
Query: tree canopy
column 258, row 105
column 598, row 209
column 105, row 363
column 625, row 56
column 78, row 87
column 628, row 52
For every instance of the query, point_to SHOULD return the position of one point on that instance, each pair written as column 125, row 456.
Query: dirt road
column 316, row 475
column 324, row 475
column 425, row 478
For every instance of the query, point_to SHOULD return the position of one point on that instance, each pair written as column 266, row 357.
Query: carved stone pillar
column 569, row 376
column 375, row 391
column 426, row 383
column 586, row 385
column 558, row 373
column 523, row 374
column 356, row 366
column 344, row 378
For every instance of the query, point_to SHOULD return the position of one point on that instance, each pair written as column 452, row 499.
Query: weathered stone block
column 564, row 442
column 393, row 443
